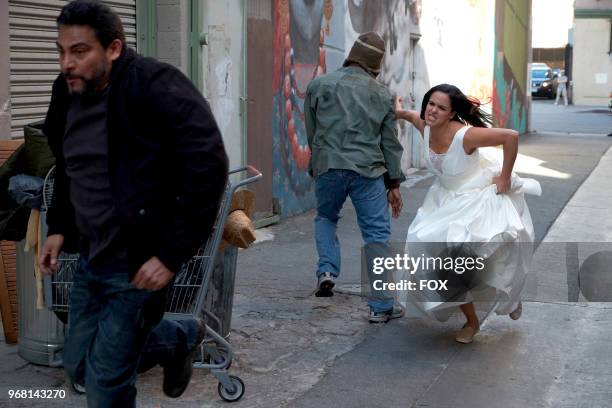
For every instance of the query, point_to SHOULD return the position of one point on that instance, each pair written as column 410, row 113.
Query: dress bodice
column 455, row 166
column 436, row 159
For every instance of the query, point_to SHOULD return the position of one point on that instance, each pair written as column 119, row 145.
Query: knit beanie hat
column 367, row 52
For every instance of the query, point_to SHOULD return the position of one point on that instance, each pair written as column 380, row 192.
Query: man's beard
column 90, row 85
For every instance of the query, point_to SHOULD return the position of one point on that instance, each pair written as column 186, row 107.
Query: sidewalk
column 296, row 350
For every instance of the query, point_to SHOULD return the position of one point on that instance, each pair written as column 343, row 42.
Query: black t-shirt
column 86, row 153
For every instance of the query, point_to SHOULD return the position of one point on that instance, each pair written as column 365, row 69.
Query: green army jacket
column 350, row 123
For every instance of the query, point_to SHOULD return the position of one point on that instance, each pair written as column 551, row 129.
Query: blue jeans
column 369, row 198
column 116, row 330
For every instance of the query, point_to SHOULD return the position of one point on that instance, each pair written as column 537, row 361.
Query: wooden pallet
column 8, row 270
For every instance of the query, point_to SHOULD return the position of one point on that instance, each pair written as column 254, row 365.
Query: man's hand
column 47, row 260
column 152, row 275
column 395, row 201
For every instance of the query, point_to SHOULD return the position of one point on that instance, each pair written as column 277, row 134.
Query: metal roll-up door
column 33, row 54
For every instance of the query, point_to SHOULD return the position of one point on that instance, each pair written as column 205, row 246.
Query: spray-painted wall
column 428, row 42
column 511, row 101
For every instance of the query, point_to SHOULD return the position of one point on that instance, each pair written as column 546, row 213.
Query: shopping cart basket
column 185, row 299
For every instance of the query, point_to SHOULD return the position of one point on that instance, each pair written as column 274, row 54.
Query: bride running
column 475, row 207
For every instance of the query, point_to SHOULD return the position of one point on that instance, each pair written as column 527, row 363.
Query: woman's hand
column 409, row 115
column 398, row 105
column 502, row 183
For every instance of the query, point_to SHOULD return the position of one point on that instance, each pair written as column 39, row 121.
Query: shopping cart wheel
column 78, row 388
column 236, row 393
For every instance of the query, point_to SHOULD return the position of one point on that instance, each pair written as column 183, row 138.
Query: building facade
column 254, row 59
column 592, row 52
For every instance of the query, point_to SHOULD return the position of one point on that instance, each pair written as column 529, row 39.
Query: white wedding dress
column 462, row 206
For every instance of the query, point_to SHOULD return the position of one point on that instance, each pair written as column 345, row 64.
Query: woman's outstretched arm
column 409, row 115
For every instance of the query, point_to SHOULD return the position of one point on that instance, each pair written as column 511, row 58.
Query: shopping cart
column 185, row 299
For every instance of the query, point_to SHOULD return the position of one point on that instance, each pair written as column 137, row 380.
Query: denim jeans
column 116, row 330
column 369, row 198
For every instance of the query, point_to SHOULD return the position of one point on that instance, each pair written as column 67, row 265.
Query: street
column 559, row 119
column 296, row 350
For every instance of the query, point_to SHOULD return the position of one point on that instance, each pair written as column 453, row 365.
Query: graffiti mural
column 426, row 44
column 299, row 57
column 312, row 37
column 510, row 100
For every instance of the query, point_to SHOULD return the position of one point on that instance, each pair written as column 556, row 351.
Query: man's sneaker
column 178, row 374
column 325, row 285
column 384, row 317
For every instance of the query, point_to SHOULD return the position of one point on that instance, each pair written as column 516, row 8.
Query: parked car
column 542, row 81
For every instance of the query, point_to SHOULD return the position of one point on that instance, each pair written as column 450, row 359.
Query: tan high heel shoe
column 466, row 334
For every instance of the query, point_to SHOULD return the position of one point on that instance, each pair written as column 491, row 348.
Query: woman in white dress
column 475, row 203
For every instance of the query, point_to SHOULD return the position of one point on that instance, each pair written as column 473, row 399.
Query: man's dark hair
column 105, row 23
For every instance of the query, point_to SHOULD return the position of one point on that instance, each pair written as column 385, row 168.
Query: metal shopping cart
column 185, row 299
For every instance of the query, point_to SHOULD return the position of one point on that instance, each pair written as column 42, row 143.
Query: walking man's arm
column 392, row 151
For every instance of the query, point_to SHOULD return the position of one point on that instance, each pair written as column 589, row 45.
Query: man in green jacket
column 352, row 135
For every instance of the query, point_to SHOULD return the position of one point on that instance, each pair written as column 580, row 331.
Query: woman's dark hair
column 467, row 109
column 105, row 23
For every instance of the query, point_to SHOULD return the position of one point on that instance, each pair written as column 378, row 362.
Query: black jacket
column 167, row 163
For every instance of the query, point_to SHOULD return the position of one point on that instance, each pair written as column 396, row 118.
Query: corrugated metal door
column 33, row 54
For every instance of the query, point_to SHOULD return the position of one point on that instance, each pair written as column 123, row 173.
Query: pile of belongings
column 21, row 195
column 21, row 182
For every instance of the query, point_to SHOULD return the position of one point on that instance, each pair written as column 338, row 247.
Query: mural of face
column 305, row 28
column 299, row 58
column 367, row 15
column 438, row 111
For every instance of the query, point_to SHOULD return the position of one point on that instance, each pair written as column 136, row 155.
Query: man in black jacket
column 141, row 168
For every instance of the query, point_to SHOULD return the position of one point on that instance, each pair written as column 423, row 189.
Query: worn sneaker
column 325, row 285
column 178, row 374
column 383, row 317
